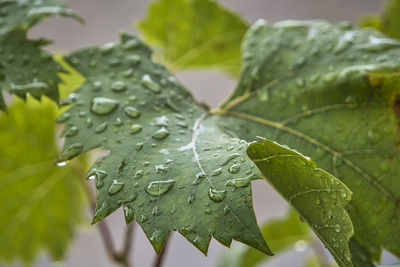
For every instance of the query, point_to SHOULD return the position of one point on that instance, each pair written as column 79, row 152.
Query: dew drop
column 89, row 122
column 103, row 105
column 131, row 44
column 216, row 172
column 208, row 211
column 229, row 158
column 134, row 59
column 191, row 199
column 161, row 134
column 72, row 131
column 161, row 169
column 101, row 127
column 118, row 121
column 158, row 188
column 150, row 84
column 143, row 218
column 115, row 187
column 70, row 152
column 131, row 198
column 118, row 86
column 199, row 178
column 135, row 128
column 139, row 174
column 63, row 117
column 132, row 112
column 155, row 211
column 188, row 229
column 226, row 210
column 330, row 77
column 216, row 196
column 62, row 164
column 139, row 146
column 162, row 121
column 337, row 228
column 234, row 168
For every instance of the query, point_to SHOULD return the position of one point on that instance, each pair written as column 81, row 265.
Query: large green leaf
column 318, row 196
column 24, row 67
column 281, row 234
column 388, row 22
column 195, row 34
column 40, row 203
column 331, row 92
column 170, row 166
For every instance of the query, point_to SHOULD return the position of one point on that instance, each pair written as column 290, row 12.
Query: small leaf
column 195, row 34
column 170, row 166
column 331, row 92
column 281, row 233
column 319, row 197
column 26, row 69
column 41, row 204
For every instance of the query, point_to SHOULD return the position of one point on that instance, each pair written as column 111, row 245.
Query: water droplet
column 262, row 95
column 118, row 86
column 134, row 59
column 62, row 164
column 136, row 128
column 330, row 77
column 161, row 134
column 107, row 48
column 115, row 187
column 216, row 172
column 63, row 117
column 143, row 218
column 199, row 178
column 118, row 121
column 242, row 182
column 139, row 146
column 150, row 84
column 103, row 105
column 139, row 174
column 229, row 158
column 155, row 211
column 131, row 198
column 72, row 131
column 162, row 121
column 333, row 194
column 89, row 122
column 70, row 152
column 131, row 44
column 337, row 228
column 132, row 112
column 188, row 229
column 226, row 210
column 191, row 199
column 159, row 187
column 128, row 73
column 161, row 169
column 216, row 196
column 146, row 163
column 208, row 211
column 234, row 168
column 101, row 127
column 318, row 201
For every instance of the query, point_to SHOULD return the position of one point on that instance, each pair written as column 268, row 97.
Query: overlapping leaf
column 195, row 34
column 170, row 166
column 24, row 67
column 319, row 197
column 40, row 202
column 331, row 92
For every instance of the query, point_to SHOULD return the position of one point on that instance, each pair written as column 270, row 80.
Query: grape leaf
column 170, row 165
column 41, row 203
column 319, row 197
column 388, row 22
column 330, row 91
column 194, row 34
column 281, row 233
column 24, row 67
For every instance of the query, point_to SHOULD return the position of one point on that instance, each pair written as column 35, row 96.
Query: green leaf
column 24, row 67
column 169, row 166
column 195, row 34
column 319, row 197
column 331, row 92
column 281, row 233
column 388, row 22
column 40, row 203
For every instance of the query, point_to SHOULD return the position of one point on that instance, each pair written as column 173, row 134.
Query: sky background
column 104, row 19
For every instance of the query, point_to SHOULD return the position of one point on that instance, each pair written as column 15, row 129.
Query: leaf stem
column 158, row 261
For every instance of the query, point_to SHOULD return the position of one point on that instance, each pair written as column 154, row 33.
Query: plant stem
column 121, row 258
column 158, row 261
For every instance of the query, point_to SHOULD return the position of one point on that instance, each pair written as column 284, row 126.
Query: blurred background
column 104, row 19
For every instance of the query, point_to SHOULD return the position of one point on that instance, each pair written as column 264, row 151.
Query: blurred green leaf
column 319, row 197
column 194, row 34
column 281, row 234
column 41, row 203
column 388, row 22
column 26, row 69
column 331, row 92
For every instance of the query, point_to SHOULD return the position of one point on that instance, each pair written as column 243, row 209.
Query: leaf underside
column 194, row 34
column 24, row 67
column 170, row 165
column 41, row 204
column 331, row 92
